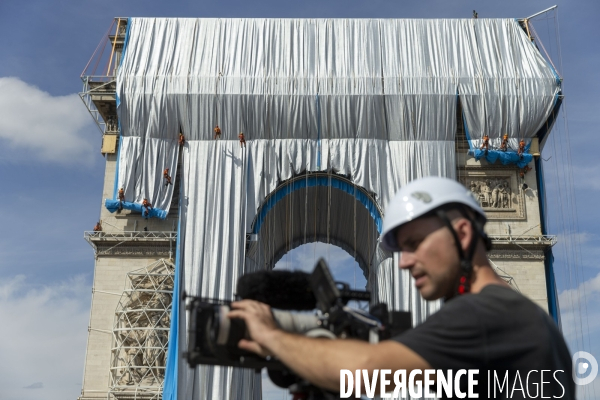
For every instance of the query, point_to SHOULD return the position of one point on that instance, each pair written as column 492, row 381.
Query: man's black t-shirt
column 500, row 331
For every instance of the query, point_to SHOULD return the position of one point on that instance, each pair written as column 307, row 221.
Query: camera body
column 213, row 337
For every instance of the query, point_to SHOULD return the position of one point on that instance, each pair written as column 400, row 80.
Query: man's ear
column 464, row 231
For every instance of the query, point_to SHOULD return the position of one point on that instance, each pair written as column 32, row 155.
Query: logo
column 582, row 363
column 423, row 196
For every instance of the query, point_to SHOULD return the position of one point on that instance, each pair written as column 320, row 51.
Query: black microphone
column 285, row 290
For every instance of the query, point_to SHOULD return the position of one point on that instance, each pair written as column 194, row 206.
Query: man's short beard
column 451, row 290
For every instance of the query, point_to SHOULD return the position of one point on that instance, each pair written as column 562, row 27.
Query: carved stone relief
column 497, row 191
column 112, row 124
column 494, row 193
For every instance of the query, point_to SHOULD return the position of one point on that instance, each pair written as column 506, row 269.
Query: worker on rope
column 242, row 140
column 485, row 144
column 167, row 177
column 146, row 204
column 504, row 145
column 483, row 325
column 217, row 132
column 121, row 198
column 521, row 150
column 523, row 171
column 181, row 140
column 98, row 227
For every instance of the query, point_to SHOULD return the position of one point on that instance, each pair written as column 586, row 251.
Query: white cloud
column 571, row 299
column 580, row 318
column 43, row 331
column 51, row 128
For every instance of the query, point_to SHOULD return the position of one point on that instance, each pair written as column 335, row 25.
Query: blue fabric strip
column 113, row 205
column 505, row 157
column 123, row 52
column 318, row 181
column 551, row 67
column 541, row 195
column 551, row 286
column 545, row 129
column 172, row 368
column 551, row 289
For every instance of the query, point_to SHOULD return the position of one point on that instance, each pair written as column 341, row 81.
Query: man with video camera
column 484, row 324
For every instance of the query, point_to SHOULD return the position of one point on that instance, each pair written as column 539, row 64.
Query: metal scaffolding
column 117, row 238
column 99, row 85
column 141, row 333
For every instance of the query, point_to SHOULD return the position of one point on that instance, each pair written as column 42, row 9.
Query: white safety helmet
column 420, row 197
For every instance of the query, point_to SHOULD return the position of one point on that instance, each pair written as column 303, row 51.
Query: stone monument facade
column 134, row 260
column 512, row 204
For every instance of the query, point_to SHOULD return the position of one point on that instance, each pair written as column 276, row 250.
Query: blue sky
column 51, row 171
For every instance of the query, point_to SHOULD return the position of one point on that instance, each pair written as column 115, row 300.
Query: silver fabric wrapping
column 223, row 187
column 506, row 86
column 375, row 100
column 141, row 166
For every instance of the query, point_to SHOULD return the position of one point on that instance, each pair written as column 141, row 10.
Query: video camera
column 213, row 337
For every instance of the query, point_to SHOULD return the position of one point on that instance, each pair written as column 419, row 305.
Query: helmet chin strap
column 466, row 260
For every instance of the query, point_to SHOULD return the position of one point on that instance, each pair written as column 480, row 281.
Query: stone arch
column 317, row 207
